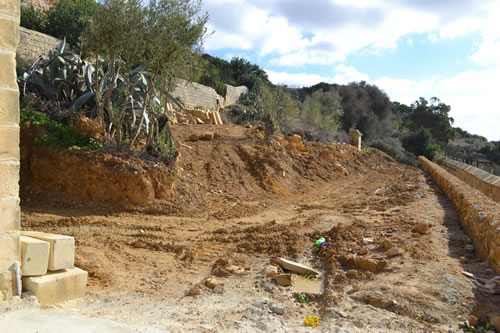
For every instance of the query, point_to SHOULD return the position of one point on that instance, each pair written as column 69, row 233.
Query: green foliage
column 60, row 136
column 33, row 19
column 67, row 19
column 432, row 116
column 483, row 326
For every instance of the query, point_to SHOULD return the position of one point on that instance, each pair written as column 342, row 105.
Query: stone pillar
column 355, row 138
column 10, row 250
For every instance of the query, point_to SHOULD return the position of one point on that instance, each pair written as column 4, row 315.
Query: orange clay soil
column 234, row 205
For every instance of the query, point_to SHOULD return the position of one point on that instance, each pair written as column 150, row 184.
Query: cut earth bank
column 395, row 260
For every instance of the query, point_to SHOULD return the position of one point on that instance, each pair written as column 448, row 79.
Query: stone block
column 62, row 249
column 34, row 256
column 56, row 287
column 9, row 34
column 8, row 285
column 9, row 214
column 9, row 108
column 8, row 70
column 296, row 267
column 10, row 249
column 9, row 142
column 10, row 7
column 9, row 174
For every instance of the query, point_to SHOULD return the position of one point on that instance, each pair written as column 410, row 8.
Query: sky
column 448, row 49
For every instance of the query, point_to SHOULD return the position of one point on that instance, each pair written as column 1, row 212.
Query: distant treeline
column 327, row 111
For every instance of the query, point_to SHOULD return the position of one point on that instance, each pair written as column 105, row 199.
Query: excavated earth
column 237, row 203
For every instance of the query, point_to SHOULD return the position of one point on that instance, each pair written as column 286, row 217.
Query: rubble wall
column 483, row 181
column 33, row 44
column 10, row 247
column 480, row 215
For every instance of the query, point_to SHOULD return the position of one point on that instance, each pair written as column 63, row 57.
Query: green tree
column 433, row 116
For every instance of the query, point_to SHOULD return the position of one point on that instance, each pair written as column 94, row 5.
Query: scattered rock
column 284, row 280
column 463, row 260
column 367, row 264
column 290, row 146
column 278, row 308
column 207, row 136
column 392, row 252
column 352, row 274
column 387, row 244
column 422, row 228
column 363, row 251
column 356, row 287
column 270, row 271
column 270, row 288
column 336, row 312
column 194, row 291
column 379, row 302
column 193, row 137
column 294, row 139
column 212, row 283
column 219, row 289
column 472, row 320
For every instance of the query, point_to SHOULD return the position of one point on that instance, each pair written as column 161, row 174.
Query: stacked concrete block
column 42, row 252
column 10, row 250
column 34, row 256
column 62, row 249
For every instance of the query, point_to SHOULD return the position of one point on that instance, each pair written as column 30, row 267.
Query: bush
column 68, row 18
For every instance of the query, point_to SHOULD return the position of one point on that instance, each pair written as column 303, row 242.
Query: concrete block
column 8, row 70
column 34, row 256
column 9, row 108
column 10, row 249
column 296, row 267
column 57, row 287
column 9, row 141
column 9, row 214
column 8, row 285
column 9, row 174
column 62, row 249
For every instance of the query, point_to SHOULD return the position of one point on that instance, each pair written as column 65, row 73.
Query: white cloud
column 469, row 94
column 296, row 33
column 296, row 80
column 348, row 74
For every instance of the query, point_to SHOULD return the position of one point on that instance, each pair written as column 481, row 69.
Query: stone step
column 56, row 287
column 62, row 249
column 34, row 256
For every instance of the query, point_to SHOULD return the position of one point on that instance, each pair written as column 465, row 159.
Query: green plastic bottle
column 320, row 241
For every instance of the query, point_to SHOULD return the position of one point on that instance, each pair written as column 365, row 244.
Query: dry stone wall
column 10, row 247
column 479, row 214
column 483, row 181
column 33, row 44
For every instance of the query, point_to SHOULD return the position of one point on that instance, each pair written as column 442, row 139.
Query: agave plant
column 126, row 102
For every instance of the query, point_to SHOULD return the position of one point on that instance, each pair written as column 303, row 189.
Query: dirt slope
column 241, row 203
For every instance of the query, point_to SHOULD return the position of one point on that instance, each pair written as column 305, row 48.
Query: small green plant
column 59, row 136
column 483, row 325
column 310, row 275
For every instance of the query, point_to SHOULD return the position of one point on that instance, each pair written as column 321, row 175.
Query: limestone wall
column 479, row 214
column 483, row 181
column 232, row 94
column 194, row 95
column 33, row 44
column 10, row 250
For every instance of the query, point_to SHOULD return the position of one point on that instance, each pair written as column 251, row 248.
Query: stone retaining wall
column 483, row 181
column 194, row 95
column 33, row 44
column 480, row 215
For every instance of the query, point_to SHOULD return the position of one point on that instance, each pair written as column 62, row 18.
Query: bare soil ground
column 239, row 204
